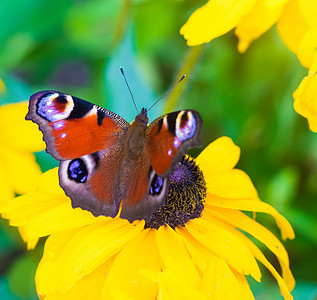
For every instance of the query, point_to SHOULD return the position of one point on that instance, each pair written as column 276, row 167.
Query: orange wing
column 73, row 127
column 169, row 137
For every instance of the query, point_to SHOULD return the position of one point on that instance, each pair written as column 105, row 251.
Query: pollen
column 186, row 196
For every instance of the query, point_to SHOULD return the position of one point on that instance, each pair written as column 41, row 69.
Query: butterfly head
column 142, row 118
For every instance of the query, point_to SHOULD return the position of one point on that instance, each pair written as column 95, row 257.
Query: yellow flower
column 87, row 257
column 296, row 23
column 306, row 97
column 19, row 172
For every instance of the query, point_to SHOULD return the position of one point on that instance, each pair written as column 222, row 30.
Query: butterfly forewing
column 73, row 127
column 169, row 137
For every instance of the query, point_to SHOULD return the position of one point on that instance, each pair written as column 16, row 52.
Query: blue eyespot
column 77, row 170
column 156, row 185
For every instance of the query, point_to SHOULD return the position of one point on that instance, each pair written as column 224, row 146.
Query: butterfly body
column 105, row 161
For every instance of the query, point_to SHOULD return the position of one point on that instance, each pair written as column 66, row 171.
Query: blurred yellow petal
column 219, row 282
column 291, row 25
column 175, row 255
column 81, row 252
column 21, row 169
column 219, row 156
column 6, row 189
column 258, row 20
column 2, row 86
column 308, row 9
column 233, row 184
column 305, row 97
column 19, row 134
column 287, row 231
column 140, row 253
column 307, row 47
column 225, row 245
column 215, row 18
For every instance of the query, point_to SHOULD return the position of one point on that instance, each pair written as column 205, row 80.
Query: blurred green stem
column 188, row 66
column 123, row 19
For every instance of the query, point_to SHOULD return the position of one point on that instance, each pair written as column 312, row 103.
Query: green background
column 77, row 47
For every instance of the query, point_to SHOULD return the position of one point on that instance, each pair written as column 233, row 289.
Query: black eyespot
column 156, row 185
column 61, row 99
column 77, row 170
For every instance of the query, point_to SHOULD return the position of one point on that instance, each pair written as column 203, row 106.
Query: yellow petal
column 258, row 20
column 171, row 286
column 256, row 206
column 49, row 183
column 305, row 97
column 21, row 210
column 175, row 255
column 307, row 47
column 70, row 255
column 21, row 169
column 16, row 131
column 291, row 25
column 31, row 243
column 241, row 221
column 247, row 293
column 215, row 18
column 220, row 283
column 200, row 254
column 225, row 245
column 219, row 156
column 308, row 9
column 88, row 287
column 57, row 219
column 233, row 184
column 124, row 276
column 259, row 256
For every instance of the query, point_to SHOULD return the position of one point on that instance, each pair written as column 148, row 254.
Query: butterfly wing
column 169, row 137
column 73, row 127
column 86, row 139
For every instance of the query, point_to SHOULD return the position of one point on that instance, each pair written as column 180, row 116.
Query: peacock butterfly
column 103, row 160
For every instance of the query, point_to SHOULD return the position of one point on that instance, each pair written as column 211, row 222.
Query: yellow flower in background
column 306, row 97
column 19, row 172
column 87, row 257
column 295, row 19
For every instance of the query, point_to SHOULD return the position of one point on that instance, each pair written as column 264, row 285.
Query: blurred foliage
column 78, row 46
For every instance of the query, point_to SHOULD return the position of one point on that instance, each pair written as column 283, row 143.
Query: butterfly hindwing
column 91, row 182
column 73, row 127
column 169, row 137
column 156, row 189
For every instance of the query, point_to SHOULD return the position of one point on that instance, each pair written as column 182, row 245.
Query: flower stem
column 122, row 23
column 187, row 68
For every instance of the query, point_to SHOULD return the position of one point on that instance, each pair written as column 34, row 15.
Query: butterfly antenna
column 168, row 91
column 126, row 82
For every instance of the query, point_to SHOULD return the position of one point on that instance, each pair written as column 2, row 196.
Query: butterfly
column 104, row 162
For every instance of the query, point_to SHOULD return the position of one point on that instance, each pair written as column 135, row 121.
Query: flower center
column 185, row 199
